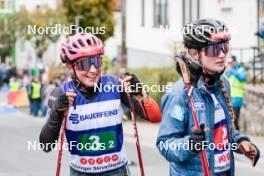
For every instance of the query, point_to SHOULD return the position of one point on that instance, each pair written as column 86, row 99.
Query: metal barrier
column 258, row 64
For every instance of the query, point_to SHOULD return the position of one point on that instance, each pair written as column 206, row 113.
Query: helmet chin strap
column 87, row 92
column 211, row 79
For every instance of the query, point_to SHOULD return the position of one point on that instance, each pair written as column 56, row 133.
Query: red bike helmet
column 80, row 45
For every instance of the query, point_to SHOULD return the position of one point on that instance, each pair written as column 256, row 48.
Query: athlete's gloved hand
column 250, row 150
column 60, row 101
column 197, row 139
column 131, row 83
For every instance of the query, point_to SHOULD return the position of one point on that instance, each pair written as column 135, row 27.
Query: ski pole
column 133, row 115
column 205, row 167
column 62, row 141
column 187, row 79
column 61, row 145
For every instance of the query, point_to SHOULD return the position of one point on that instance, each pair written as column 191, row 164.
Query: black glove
column 136, row 85
column 58, row 100
column 197, row 139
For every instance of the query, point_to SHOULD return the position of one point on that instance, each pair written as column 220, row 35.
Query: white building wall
column 240, row 16
column 25, row 54
column 149, row 46
column 112, row 44
column 146, row 46
column 32, row 4
column 147, row 37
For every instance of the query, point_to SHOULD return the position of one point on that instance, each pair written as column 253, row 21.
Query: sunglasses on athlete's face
column 86, row 63
column 215, row 49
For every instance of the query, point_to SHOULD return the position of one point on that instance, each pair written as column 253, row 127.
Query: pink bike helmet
column 80, row 45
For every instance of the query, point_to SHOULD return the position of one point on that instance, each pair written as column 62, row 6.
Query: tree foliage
column 40, row 18
column 94, row 13
column 16, row 26
column 7, row 34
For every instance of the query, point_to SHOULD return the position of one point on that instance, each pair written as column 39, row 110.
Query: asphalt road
column 17, row 130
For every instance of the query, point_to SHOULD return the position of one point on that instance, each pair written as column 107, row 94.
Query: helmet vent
column 89, row 42
column 94, row 41
column 72, row 52
column 81, row 42
column 75, row 46
column 63, row 50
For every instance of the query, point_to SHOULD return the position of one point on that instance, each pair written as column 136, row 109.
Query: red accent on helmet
column 220, row 36
column 80, row 45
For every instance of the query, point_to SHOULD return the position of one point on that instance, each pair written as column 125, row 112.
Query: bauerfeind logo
column 76, row 118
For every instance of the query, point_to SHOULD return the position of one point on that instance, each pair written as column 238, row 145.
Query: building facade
column 154, row 28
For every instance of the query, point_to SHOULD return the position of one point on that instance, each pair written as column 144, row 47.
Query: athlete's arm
column 57, row 102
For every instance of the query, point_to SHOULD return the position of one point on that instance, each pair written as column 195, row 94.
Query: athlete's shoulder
column 67, row 85
column 175, row 94
column 106, row 79
column 177, row 88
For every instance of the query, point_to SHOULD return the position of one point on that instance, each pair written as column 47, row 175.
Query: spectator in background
column 3, row 73
column 26, row 70
column 236, row 75
column 35, row 72
column 12, row 71
column 28, row 88
column 35, row 96
column 14, row 84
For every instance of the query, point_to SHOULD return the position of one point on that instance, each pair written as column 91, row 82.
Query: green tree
column 30, row 22
column 16, row 25
column 93, row 13
column 7, row 34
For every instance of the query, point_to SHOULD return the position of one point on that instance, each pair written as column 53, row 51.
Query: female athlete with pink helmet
column 94, row 124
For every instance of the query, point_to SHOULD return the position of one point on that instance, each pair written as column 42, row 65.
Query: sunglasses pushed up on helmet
column 215, row 49
column 86, row 63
